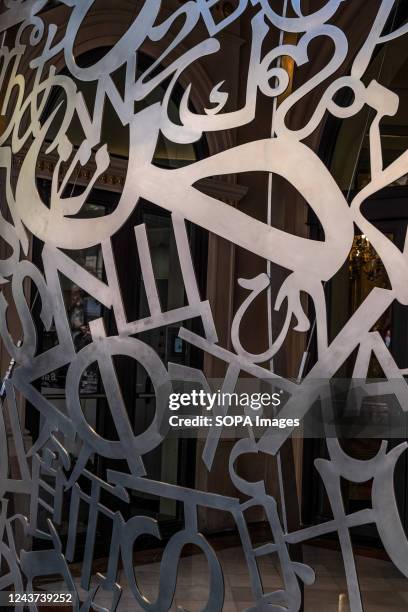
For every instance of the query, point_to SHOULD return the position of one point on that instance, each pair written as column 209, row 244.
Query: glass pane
column 81, row 309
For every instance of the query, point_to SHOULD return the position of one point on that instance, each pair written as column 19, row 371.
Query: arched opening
column 173, row 460
column 348, row 157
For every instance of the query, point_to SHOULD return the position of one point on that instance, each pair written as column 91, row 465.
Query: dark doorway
column 174, row 460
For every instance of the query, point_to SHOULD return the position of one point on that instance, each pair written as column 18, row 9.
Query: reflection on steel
column 59, row 226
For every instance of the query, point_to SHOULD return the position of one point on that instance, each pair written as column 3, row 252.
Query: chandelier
column 363, row 259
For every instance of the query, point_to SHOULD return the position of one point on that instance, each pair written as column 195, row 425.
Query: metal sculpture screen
column 61, row 230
